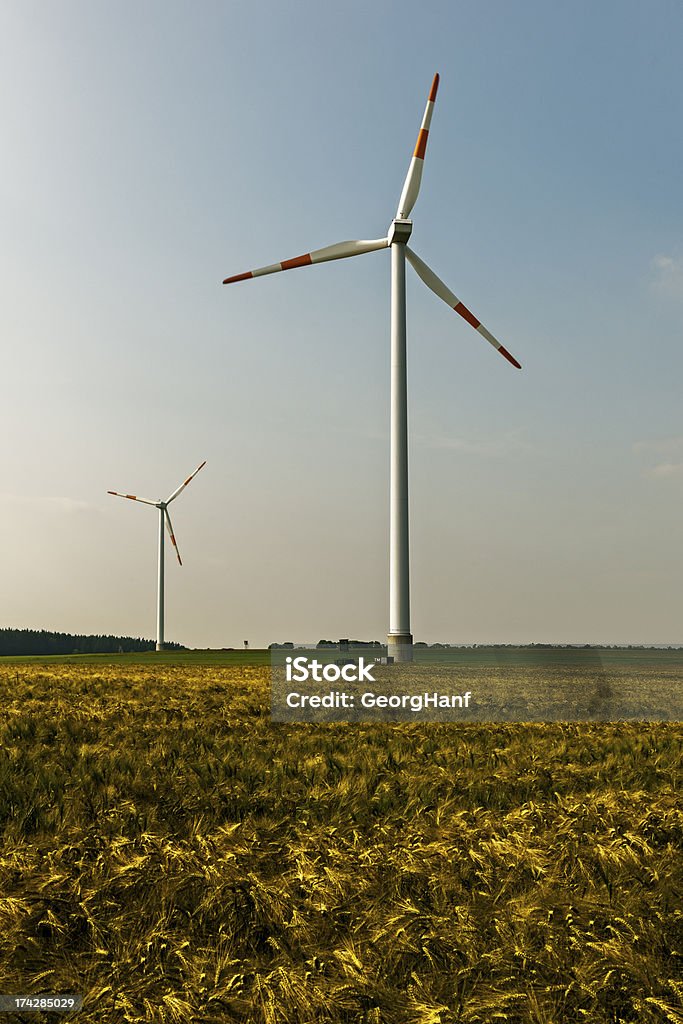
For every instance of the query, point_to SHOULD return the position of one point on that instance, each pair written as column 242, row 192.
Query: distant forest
column 34, row 641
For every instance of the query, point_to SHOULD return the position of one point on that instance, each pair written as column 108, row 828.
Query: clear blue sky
column 150, row 150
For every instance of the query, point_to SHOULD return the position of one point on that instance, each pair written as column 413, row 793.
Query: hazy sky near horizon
column 150, row 150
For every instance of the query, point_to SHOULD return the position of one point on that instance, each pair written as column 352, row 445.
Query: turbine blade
column 184, row 484
column 172, row 535
column 411, row 186
column 339, row 251
column 440, row 289
column 134, row 497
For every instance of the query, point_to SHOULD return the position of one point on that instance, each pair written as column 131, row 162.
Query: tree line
column 42, row 641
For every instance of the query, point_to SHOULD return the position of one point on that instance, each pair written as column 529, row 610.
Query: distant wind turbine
column 400, row 638
column 164, row 517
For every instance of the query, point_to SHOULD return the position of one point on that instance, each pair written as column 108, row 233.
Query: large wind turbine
column 164, row 517
column 400, row 638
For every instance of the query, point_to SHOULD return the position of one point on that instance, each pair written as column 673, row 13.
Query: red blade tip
column 238, row 277
column 511, row 359
column 434, row 89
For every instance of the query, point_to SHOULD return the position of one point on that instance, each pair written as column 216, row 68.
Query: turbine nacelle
column 399, row 231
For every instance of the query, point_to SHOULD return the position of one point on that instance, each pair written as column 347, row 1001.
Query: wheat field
column 173, row 856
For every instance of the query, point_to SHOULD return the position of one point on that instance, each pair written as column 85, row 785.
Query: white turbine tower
column 399, row 638
column 164, row 517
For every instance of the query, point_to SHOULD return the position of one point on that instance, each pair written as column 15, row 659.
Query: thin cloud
column 69, row 506
column 488, row 448
column 666, row 469
column 668, row 276
column 667, row 452
column 659, row 446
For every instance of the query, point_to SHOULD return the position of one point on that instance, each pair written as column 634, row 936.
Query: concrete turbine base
column 400, row 646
